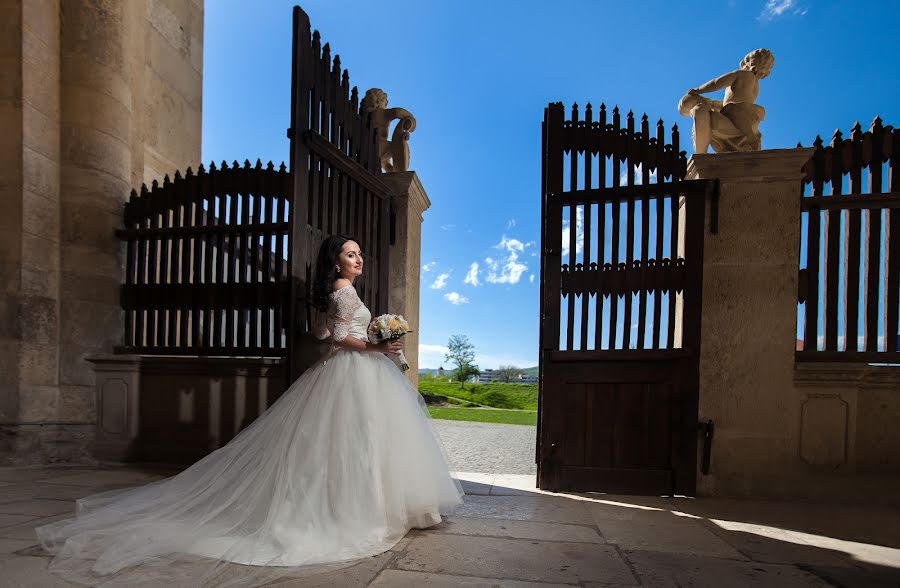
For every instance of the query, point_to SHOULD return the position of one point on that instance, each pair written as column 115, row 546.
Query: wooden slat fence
column 206, row 263
column 850, row 262
column 619, row 210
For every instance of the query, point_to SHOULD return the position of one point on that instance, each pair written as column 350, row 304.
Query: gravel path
column 488, row 447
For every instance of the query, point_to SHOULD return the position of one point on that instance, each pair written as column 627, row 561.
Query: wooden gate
column 335, row 166
column 219, row 263
column 621, row 270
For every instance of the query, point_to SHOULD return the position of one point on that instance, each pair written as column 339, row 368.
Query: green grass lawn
column 485, row 415
column 495, row 395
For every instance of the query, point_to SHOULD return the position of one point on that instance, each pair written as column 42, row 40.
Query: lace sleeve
column 344, row 303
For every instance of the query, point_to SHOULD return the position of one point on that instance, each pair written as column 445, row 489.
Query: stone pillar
column 409, row 201
column 749, row 320
column 95, row 179
column 93, row 94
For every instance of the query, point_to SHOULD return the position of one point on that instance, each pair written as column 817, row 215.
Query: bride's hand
column 392, row 347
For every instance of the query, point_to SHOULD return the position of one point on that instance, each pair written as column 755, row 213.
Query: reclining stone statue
column 731, row 124
column 394, row 154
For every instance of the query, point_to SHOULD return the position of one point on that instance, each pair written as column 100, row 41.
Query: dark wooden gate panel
column 335, row 167
column 620, row 308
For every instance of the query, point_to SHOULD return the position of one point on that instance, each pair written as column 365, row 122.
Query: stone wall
column 96, row 96
column 783, row 429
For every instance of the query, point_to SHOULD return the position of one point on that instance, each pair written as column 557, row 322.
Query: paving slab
column 548, row 509
column 104, row 478
column 38, row 508
column 39, row 491
column 857, row 576
column 406, row 579
column 355, row 576
column 773, row 545
column 515, row 559
column 475, row 482
column 26, row 530
column 678, row 570
column 10, row 546
column 29, row 572
column 670, row 535
column 8, row 520
column 456, row 525
column 31, row 474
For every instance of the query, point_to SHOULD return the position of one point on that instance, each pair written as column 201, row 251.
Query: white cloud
column 432, row 356
column 508, row 269
column 456, row 298
column 486, row 361
column 775, row 8
column 531, row 278
column 472, row 276
column 638, row 176
column 510, row 223
column 579, row 233
column 428, row 267
column 440, row 281
column 449, row 227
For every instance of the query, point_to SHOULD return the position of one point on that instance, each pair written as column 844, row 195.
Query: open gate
column 335, row 167
column 621, row 275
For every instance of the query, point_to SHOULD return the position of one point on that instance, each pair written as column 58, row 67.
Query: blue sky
column 477, row 76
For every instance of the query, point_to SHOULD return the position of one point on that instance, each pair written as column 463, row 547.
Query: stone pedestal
column 409, row 202
column 177, row 409
column 749, row 321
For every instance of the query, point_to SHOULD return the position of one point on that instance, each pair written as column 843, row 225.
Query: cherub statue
column 394, row 154
column 731, row 124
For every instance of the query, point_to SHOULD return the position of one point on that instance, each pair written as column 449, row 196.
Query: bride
column 339, row 468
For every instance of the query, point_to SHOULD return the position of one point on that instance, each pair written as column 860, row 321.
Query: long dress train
column 339, row 468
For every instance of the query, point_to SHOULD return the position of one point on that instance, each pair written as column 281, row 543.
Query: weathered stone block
column 89, row 288
column 40, row 175
column 92, row 109
column 169, row 65
column 90, row 261
column 38, row 403
column 40, row 18
column 89, row 226
column 40, row 216
column 77, row 404
column 95, row 188
column 39, row 364
column 84, row 147
column 38, row 320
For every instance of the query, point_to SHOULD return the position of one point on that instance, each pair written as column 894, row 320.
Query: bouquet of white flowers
column 389, row 327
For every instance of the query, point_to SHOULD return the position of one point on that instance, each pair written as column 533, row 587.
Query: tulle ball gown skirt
column 339, row 468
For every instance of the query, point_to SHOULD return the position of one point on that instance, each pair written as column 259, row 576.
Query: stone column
column 749, row 320
column 95, row 179
column 409, row 201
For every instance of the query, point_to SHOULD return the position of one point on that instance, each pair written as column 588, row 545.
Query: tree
column 461, row 353
column 508, row 373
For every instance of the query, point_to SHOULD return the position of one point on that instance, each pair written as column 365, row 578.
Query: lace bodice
column 347, row 315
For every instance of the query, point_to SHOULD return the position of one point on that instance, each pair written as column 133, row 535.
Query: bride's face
column 350, row 260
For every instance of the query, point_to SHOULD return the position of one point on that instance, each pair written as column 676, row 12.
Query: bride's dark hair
column 323, row 282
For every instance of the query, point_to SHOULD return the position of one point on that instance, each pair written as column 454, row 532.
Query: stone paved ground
column 508, row 534
column 488, row 447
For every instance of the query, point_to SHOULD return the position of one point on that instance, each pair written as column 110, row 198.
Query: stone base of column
column 46, row 444
column 409, row 202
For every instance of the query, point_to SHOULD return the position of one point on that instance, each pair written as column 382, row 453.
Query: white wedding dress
column 339, row 468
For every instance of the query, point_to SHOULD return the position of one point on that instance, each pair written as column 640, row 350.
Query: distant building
column 494, row 376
